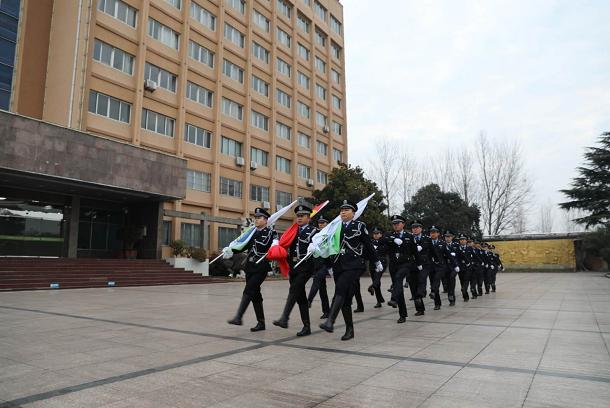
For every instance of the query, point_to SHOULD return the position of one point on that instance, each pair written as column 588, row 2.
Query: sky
column 432, row 74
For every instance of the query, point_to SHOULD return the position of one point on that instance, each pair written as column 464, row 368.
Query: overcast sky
column 435, row 73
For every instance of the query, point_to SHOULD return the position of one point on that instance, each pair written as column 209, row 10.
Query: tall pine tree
column 590, row 191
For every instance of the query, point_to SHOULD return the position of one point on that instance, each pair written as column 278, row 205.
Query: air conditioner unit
column 265, row 204
column 310, row 182
column 253, row 165
column 150, row 85
column 325, row 129
column 240, row 161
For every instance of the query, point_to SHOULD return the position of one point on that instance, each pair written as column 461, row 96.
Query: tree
column 349, row 183
column 504, row 187
column 446, row 210
column 546, row 218
column 590, row 191
column 385, row 166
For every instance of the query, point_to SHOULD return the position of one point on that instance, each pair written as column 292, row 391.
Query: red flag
column 280, row 252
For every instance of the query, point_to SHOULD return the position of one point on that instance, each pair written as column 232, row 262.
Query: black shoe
column 241, row 309
column 493, row 288
column 324, row 316
column 327, row 326
column 260, row 316
column 281, row 323
column 349, row 333
column 419, row 313
column 377, row 306
column 309, row 304
column 466, row 299
column 306, row 331
column 259, row 327
column 452, row 303
column 431, row 296
column 444, row 291
column 371, row 290
column 401, row 320
column 487, row 292
column 390, row 289
column 437, row 307
column 393, row 303
column 410, row 298
column 359, row 310
column 236, row 321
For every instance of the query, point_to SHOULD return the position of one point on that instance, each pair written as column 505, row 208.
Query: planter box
column 190, row 264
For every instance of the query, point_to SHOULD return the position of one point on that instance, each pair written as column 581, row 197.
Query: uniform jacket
column 298, row 248
column 406, row 252
column 464, row 255
column 425, row 254
column 441, row 253
column 381, row 249
column 355, row 247
column 257, row 247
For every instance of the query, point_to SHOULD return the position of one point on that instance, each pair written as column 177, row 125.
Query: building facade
column 249, row 96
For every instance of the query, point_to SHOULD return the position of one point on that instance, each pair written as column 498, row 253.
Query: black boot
column 305, row 318
column 419, row 306
column 493, row 287
column 243, row 305
column 324, row 315
column 371, row 290
column 349, row 323
column 260, row 316
column 328, row 325
column 377, row 306
column 283, row 320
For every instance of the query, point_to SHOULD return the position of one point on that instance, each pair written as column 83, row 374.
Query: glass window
column 161, row 77
column 303, row 52
column 319, row 10
column 233, row 71
column 283, row 131
column 322, row 177
column 321, row 148
column 304, row 171
column 337, row 155
column 261, row 21
column 199, row 94
column 119, row 10
column 282, row 198
column 200, row 53
column 113, row 57
column 320, row 65
column 166, row 238
column 226, row 235
column 197, row 136
column 283, row 98
column 191, row 234
column 239, row 5
column 203, row 16
column 304, row 140
column 283, row 67
column 303, row 110
column 158, row 123
column 163, row 33
column 302, row 80
column 260, row 86
column 284, row 8
column 335, row 25
column 197, row 180
column 110, row 107
column 282, row 164
column 259, row 156
column 303, row 23
column 283, row 37
column 230, row 147
column 260, row 52
column 259, row 193
column 232, row 109
column 230, row 187
column 234, row 35
column 259, row 120
column 321, row 92
column 321, row 119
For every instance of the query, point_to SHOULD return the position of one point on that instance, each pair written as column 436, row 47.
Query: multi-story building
column 245, row 98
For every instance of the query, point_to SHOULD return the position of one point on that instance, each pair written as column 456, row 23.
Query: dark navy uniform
column 381, row 250
column 318, row 284
column 478, row 269
column 453, row 267
column 440, row 257
column 419, row 280
column 465, row 254
column 497, row 263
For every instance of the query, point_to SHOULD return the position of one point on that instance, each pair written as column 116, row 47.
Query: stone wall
column 537, row 254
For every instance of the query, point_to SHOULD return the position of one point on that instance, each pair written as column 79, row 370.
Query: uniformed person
column 497, row 267
column 464, row 254
column 381, row 250
column 440, row 257
column 453, row 268
column 348, row 265
column 256, row 248
column 419, row 279
column 403, row 262
column 478, row 265
column 488, row 266
column 319, row 279
column 298, row 277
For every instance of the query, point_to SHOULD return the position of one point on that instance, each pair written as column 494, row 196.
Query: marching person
column 453, row 268
column 476, row 282
column 497, row 267
column 319, row 279
column 489, row 266
column 299, row 276
column 348, row 264
column 441, row 256
column 381, row 250
column 256, row 249
column 464, row 255
column 404, row 262
column 419, row 279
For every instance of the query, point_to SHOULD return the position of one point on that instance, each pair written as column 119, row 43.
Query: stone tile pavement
column 542, row 340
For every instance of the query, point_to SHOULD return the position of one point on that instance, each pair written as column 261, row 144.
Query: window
column 230, row 187
column 110, row 107
column 191, row 234
column 303, row 110
column 304, row 140
column 303, row 23
column 226, row 235
column 321, row 148
column 261, row 21
column 303, row 171
column 158, row 123
column 260, row 52
column 307, row 2
column 259, row 193
column 321, row 92
column 119, row 10
column 199, row 94
column 283, row 37
column 203, row 16
column 335, row 25
column 175, row 3
column 200, row 181
column 303, row 52
column 232, row 109
column 239, row 5
column 163, row 33
column 337, row 128
column 319, row 10
column 260, row 86
column 161, row 77
column 337, row 155
column 320, row 119
column 302, row 80
column 201, row 54
column 234, row 35
column 320, row 65
column 259, row 156
column 335, row 50
column 282, row 198
column 230, row 147
column 283, row 98
column 322, row 177
column 197, row 136
column 320, row 38
column 233, row 71
column 283, row 67
column 283, row 131
column 259, row 121
column 336, row 102
column 284, row 8
column 167, row 233
column 113, row 57
column 336, row 77
column 282, row 164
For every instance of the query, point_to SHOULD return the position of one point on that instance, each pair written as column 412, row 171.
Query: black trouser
column 345, row 282
column 319, row 284
column 487, row 278
column 493, row 276
column 445, row 282
column 465, row 279
column 437, row 272
column 392, row 269
column 376, row 285
column 401, row 272
column 255, row 276
column 450, row 275
column 357, row 294
column 476, row 280
column 298, row 279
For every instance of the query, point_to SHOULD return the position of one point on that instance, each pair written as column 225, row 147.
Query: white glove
column 419, row 267
column 457, row 269
column 330, row 271
column 453, row 254
column 378, row 267
column 310, row 248
column 398, row 241
column 492, row 267
column 227, row 253
column 275, row 242
column 419, row 248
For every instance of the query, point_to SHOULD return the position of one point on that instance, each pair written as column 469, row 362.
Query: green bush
column 199, row 254
column 179, row 248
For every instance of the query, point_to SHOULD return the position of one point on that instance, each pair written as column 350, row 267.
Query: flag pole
column 303, row 260
column 217, row 258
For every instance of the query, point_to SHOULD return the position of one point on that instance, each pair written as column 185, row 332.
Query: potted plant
column 188, row 258
column 131, row 234
column 199, row 261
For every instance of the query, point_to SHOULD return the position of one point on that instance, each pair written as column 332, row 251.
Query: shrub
column 178, row 248
column 199, row 254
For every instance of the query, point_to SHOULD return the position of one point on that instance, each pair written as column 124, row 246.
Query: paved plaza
column 542, row 340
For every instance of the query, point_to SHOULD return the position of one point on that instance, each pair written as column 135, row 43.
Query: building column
column 73, row 227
